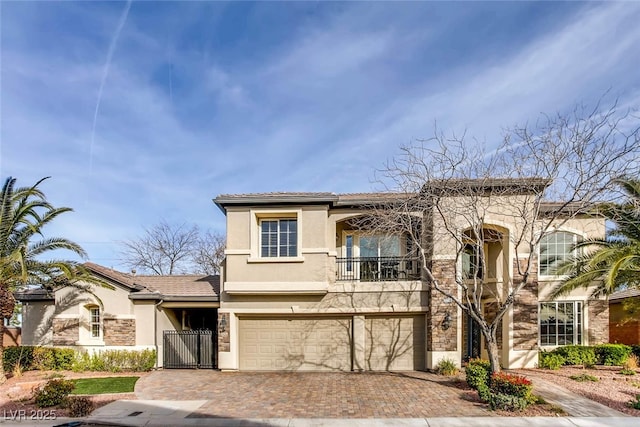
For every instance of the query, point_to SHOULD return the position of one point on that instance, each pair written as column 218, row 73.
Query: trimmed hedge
column 55, row 358
column 501, row 390
column 602, row 354
column 41, row 358
column 115, row 361
column 612, row 354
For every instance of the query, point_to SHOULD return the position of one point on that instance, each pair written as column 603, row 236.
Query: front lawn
column 104, row 385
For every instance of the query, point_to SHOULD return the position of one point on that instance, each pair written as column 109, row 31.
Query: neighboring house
column 624, row 317
column 304, row 289
column 140, row 312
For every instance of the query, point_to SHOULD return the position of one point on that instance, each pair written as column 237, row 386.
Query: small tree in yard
column 446, row 191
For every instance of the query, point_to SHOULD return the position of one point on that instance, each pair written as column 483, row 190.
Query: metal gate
column 190, row 349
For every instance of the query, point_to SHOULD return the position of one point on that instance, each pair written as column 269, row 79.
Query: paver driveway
column 314, row 395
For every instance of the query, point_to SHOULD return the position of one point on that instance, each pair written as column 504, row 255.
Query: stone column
column 443, row 315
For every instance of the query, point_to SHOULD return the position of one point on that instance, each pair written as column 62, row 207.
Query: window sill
column 252, row 260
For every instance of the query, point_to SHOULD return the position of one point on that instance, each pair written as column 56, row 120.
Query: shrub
column 550, row 360
column 513, row 385
column 115, row 361
column 63, row 358
column 79, row 406
column 577, row 355
column 627, row 372
column 635, row 404
column 507, row 402
column 635, row 349
column 43, row 359
column 612, row 354
column 54, row 392
column 632, row 362
column 477, row 373
column 584, row 377
column 22, row 355
column 446, row 367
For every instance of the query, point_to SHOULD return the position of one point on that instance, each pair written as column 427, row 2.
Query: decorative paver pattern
column 314, row 395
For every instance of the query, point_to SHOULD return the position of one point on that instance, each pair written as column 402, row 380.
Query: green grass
column 104, row 385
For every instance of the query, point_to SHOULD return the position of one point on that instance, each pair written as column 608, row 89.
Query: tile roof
column 627, row 293
column 191, row 285
column 181, row 286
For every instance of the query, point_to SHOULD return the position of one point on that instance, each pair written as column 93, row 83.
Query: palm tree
column 612, row 263
column 24, row 212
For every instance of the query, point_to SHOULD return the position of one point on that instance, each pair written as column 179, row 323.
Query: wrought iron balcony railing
column 377, row 269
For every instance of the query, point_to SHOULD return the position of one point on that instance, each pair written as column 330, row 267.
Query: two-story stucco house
column 304, row 288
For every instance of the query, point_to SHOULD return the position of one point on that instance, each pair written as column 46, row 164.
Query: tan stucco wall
column 37, row 326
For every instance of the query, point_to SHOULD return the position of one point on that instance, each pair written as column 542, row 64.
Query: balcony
column 377, row 269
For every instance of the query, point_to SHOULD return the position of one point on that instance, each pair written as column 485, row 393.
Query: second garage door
column 395, row 343
column 312, row 344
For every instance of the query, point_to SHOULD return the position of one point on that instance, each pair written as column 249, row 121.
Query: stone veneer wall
column 119, row 331
column 437, row 338
column 525, row 308
column 598, row 321
column 66, row 331
column 223, row 336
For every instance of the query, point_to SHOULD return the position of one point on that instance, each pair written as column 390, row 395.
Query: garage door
column 395, row 343
column 294, row 344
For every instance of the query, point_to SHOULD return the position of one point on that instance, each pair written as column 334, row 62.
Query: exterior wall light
column 446, row 322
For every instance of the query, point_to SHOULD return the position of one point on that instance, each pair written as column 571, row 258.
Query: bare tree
column 163, row 249
column 208, row 252
column 450, row 194
column 166, row 249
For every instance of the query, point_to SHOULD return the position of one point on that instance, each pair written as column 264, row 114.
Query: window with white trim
column 278, row 238
column 95, row 323
column 560, row 323
column 555, row 248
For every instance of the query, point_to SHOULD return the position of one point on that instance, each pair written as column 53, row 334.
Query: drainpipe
column 155, row 330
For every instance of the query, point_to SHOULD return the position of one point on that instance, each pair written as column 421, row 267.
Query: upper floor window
column 471, row 265
column 279, row 238
column 95, row 322
column 555, row 248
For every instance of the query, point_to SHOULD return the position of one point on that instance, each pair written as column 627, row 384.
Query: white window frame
column 259, row 215
column 576, row 238
column 578, row 324
column 93, row 323
column 279, row 232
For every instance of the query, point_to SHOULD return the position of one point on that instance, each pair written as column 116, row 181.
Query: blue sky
column 146, row 111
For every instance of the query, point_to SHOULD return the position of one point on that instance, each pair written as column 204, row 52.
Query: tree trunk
column 3, row 377
column 493, row 352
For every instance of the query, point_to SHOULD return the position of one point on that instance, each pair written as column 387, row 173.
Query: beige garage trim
column 395, row 343
column 295, row 344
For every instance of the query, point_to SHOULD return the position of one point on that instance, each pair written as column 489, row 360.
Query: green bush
column 54, row 392
column 446, row 367
column 477, row 373
column 635, row 404
column 612, row 354
column 584, row 377
column 550, row 360
column 507, row 402
column 63, row 358
column 35, row 357
column 577, row 355
column 22, row 355
column 79, row 406
column 115, row 361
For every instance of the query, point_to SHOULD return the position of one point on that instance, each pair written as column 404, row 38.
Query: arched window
column 555, row 248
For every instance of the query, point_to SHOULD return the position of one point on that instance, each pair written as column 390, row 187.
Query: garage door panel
column 295, row 344
column 395, row 343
